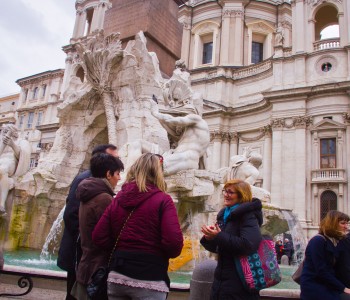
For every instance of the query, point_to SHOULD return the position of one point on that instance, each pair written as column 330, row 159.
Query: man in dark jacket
column 288, row 250
column 70, row 252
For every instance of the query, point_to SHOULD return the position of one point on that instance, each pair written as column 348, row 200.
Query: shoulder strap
column 116, row 242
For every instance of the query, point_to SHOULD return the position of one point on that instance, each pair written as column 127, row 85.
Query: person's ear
column 108, row 174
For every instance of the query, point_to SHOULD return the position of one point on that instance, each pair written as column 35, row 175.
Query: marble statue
column 279, row 36
column 246, row 167
column 193, row 138
column 14, row 161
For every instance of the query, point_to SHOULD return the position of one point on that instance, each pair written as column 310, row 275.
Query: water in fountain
column 51, row 242
column 298, row 239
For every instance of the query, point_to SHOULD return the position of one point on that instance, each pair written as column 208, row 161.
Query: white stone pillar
column 267, row 161
column 347, row 158
column 196, row 53
column 225, row 150
column 250, row 39
column 186, row 42
column 340, row 148
column 276, row 169
column 216, row 159
column 300, row 170
column 67, row 74
column 76, row 29
column 225, row 38
column 238, row 38
column 298, row 26
column 95, row 18
column 233, row 144
column 82, row 24
column 342, row 30
column 268, row 46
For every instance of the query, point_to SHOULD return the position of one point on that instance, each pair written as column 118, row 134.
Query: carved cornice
column 316, row 2
column 230, row 13
column 224, row 136
column 186, row 25
column 253, row 139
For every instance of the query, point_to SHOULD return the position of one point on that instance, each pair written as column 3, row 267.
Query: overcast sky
column 32, row 35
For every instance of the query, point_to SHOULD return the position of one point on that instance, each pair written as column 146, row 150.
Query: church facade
column 273, row 83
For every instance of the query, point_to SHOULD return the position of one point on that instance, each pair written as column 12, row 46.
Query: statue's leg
column 177, row 162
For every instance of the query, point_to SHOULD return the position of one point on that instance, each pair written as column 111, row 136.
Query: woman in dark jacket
column 236, row 233
column 95, row 194
column 318, row 280
column 150, row 237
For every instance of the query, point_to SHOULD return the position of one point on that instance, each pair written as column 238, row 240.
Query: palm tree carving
column 99, row 56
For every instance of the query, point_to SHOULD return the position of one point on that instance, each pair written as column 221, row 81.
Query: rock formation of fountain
column 112, row 105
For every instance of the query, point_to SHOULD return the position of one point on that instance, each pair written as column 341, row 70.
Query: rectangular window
column 21, row 120
column 39, row 120
column 207, row 53
column 30, row 120
column 257, row 52
column 328, row 157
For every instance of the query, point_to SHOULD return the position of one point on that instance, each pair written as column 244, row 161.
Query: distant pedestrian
column 279, row 250
column 288, row 250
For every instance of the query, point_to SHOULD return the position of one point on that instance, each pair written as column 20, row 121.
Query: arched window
column 328, row 202
column 43, row 91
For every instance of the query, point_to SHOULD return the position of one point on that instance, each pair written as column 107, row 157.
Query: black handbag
column 97, row 287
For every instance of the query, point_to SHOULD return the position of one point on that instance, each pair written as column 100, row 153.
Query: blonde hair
column 147, row 169
column 330, row 224
column 242, row 189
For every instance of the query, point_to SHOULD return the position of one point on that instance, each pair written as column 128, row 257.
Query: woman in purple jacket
column 149, row 238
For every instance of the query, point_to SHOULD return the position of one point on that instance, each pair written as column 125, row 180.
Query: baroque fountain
column 116, row 103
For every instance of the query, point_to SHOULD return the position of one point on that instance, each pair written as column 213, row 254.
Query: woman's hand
column 210, row 232
column 347, row 291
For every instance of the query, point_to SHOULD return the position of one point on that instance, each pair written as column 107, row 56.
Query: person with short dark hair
column 318, row 280
column 67, row 254
column 95, row 194
column 150, row 237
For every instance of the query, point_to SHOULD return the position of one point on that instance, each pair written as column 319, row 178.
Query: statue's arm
column 10, row 142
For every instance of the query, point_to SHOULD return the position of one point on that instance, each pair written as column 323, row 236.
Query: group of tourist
column 137, row 231
column 138, row 228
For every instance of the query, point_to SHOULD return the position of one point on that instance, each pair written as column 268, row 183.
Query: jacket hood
column 89, row 188
column 255, row 206
column 130, row 196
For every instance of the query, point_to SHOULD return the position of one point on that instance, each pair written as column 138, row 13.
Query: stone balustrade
column 328, row 175
column 327, row 44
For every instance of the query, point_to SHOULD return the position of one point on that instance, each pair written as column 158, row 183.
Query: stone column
column 196, row 51
column 216, row 159
column 347, row 20
column 225, row 150
column 76, row 29
column 342, row 30
column 186, row 42
column 67, row 73
column 250, row 39
column 276, row 169
column 95, row 18
column 346, row 117
column 233, row 143
column 225, row 38
column 298, row 26
column 267, row 160
column 82, row 24
column 300, row 169
column 239, row 31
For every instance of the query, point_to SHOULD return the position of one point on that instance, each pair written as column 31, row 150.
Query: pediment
column 260, row 26
column 328, row 124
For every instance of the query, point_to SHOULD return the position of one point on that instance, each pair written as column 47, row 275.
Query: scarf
column 228, row 211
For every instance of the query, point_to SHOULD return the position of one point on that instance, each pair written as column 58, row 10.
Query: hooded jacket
column 95, row 194
column 151, row 235
column 239, row 236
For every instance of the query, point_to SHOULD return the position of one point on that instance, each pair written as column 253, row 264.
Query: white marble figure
column 14, row 161
column 279, row 36
column 192, row 143
column 245, row 166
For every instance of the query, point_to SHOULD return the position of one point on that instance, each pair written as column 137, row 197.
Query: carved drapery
column 296, row 122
